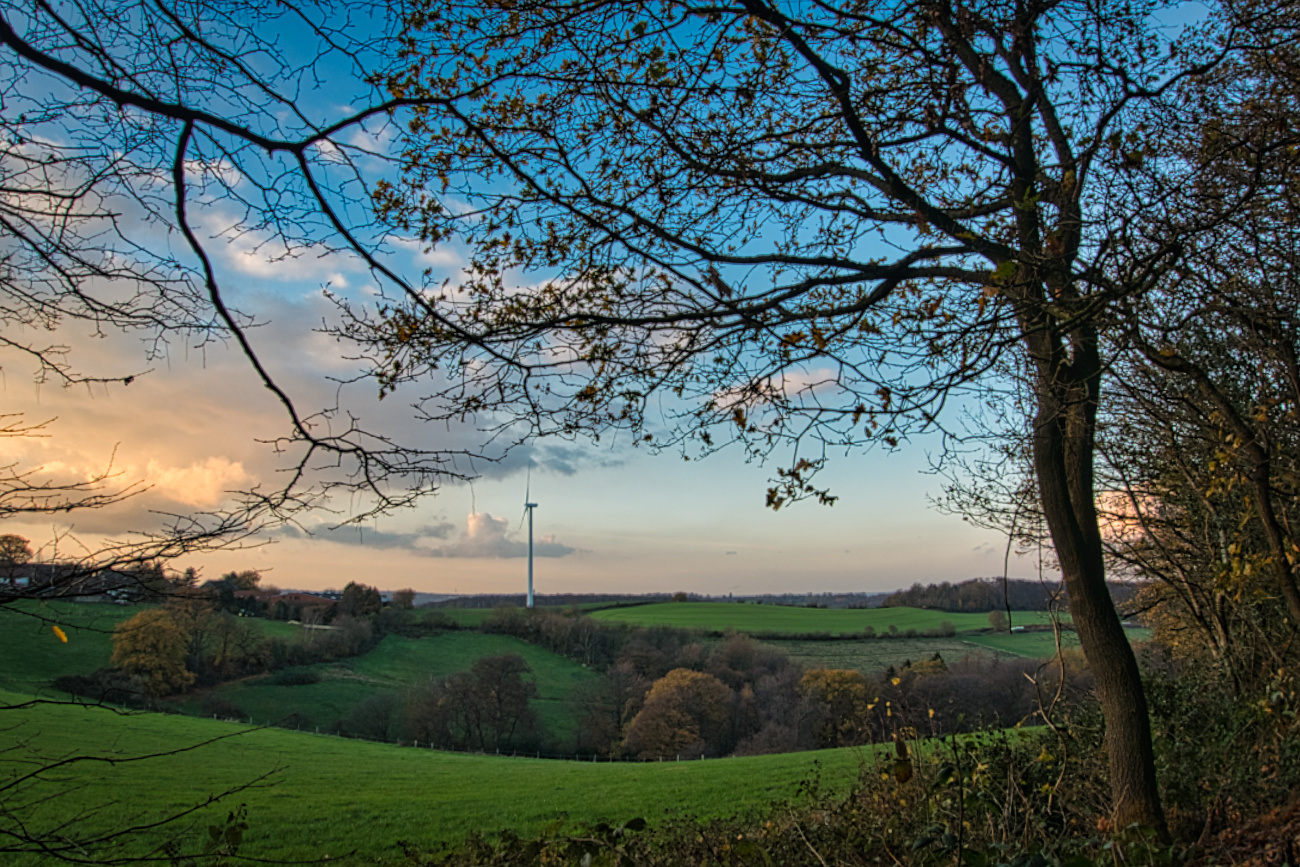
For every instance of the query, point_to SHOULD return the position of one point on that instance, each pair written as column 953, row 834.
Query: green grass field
column 399, row 663
column 330, row 796
column 1039, row 645
column 32, row 655
column 872, row 657
column 472, row 618
column 744, row 617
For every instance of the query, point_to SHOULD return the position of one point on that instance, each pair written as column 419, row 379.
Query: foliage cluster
column 190, row 643
column 487, row 708
column 774, row 705
column 992, row 594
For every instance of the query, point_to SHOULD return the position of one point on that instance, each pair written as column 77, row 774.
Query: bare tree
column 135, row 140
column 138, row 139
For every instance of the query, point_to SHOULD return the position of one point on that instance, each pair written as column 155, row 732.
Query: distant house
column 297, row 598
column 74, row 582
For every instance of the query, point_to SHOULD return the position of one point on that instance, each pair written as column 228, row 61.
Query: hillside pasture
column 1040, row 644
column 353, row 800
column 398, row 664
column 26, row 635
column 760, row 619
column 872, row 657
column 34, row 656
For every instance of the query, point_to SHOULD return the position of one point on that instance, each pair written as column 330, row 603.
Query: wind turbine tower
column 528, row 508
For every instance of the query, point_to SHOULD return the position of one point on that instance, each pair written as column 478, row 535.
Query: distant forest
column 990, row 594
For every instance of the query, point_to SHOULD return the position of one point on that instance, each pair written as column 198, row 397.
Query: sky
column 610, row 518
column 193, row 426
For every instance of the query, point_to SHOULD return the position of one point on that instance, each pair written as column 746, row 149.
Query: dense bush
column 297, row 676
column 214, row 706
column 1223, row 755
column 486, row 708
column 109, row 686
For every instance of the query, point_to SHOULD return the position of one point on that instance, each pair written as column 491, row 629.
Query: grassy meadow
column 33, row 656
column 872, row 657
column 466, row 618
column 751, row 618
column 331, row 797
column 1039, row 645
column 352, row 800
column 398, row 663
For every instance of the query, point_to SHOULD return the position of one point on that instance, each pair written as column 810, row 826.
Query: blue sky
column 619, row 518
column 192, row 427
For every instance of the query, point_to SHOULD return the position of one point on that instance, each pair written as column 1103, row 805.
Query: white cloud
column 488, row 536
column 203, row 484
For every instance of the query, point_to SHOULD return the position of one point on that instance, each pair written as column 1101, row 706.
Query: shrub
column 295, row 677
column 1223, row 754
column 215, row 706
column 109, row 686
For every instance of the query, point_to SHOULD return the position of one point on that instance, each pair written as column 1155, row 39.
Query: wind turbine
column 528, row 510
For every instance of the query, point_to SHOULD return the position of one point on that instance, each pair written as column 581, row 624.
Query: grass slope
column 1039, row 645
column 872, row 657
column 332, row 796
column 398, row 663
column 467, row 618
column 33, row 656
column 743, row 617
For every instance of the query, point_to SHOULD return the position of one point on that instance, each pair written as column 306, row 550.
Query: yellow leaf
column 60, row 634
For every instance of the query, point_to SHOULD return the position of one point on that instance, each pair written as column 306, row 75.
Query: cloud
column 542, row 458
column 487, row 536
column 203, row 484
column 368, row 537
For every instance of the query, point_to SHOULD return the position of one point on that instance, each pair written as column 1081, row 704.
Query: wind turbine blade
column 528, row 489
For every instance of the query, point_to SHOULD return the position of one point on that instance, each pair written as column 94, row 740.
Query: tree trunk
column 1067, row 388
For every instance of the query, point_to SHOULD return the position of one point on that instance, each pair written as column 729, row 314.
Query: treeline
column 666, row 692
column 201, row 636
column 992, row 594
column 486, row 708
